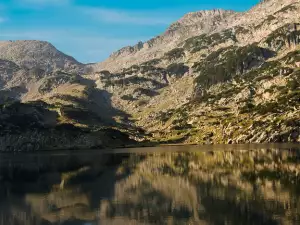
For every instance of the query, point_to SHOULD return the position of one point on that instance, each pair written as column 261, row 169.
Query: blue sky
column 90, row 30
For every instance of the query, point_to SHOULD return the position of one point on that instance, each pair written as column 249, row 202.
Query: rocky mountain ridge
column 225, row 77
column 41, row 54
column 206, row 22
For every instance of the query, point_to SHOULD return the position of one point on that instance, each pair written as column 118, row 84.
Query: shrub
column 293, row 84
column 270, row 107
column 177, row 69
column 142, row 102
column 247, row 108
column 175, row 54
column 128, row 98
column 224, row 64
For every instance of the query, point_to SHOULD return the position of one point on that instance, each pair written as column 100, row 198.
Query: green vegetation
column 288, row 99
column 142, row 102
column 177, row 69
column 59, row 79
column 292, row 57
column 147, row 92
column 267, row 21
column 133, row 80
column 18, row 117
column 213, row 98
column 227, row 63
column 152, row 62
column 165, row 116
column 286, row 35
column 175, row 54
column 293, row 84
column 287, row 8
column 201, row 42
column 241, row 30
column 266, row 71
column 128, row 98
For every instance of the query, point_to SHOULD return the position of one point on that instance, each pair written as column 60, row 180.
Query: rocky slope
column 237, row 85
column 249, row 26
column 223, row 77
column 38, row 54
column 38, row 126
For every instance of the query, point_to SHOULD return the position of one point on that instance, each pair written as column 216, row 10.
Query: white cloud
column 127, row 17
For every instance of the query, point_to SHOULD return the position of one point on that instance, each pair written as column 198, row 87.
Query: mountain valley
column 213, row 77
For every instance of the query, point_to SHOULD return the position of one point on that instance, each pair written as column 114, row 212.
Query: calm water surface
column 217, row 185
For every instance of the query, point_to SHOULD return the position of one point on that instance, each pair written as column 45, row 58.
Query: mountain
column 213, row 77
column 45, row 103
column 251, row 26
column 38, row 54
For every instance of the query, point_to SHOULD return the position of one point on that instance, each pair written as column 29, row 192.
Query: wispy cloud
column 2, row 19
column 47, row 1
column 44, row 2
column 127, row 17
column 23, row 34
column 89, row 47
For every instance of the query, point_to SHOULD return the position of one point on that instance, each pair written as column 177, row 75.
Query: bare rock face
column 190, row 25
column 7, row 69
column 250, row 27
column 206, row 20
column 38, row 54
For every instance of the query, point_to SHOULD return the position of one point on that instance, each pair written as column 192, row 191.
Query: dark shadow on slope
column 36, row 126
column 95, row 110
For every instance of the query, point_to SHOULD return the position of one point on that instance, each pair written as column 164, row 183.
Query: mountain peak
column 191, row 24
column 203, row 18
column 206, row 20
column 42, row 54
column 198, row 16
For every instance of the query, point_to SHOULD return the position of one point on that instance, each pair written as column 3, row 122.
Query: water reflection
column 239, row 187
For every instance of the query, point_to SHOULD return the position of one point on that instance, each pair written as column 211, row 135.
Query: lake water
column 209, row 185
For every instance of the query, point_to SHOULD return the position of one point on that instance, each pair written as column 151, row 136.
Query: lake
column 206, row 185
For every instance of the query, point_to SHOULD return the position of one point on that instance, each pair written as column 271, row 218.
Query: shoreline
column 164, row 147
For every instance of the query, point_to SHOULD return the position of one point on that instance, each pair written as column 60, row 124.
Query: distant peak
column 209, row 12
column 206, row 13
column 193, row 18
column 28, row 43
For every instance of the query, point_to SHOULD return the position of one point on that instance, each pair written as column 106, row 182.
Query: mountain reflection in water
column 238, row 187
